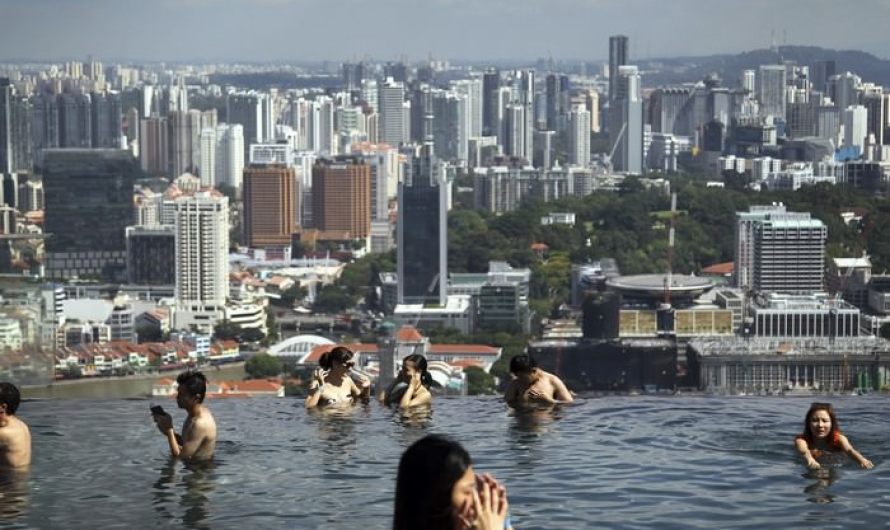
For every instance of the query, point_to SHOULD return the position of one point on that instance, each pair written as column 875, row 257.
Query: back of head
column 341, row 354
column 426, row 379
column 522, row 363
column 194, row 383
column 9, row 396
column 428, row 471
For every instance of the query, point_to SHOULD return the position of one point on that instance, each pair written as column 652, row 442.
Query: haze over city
column 293, row 30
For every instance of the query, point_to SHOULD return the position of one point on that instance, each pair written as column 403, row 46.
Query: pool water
column 606, row 462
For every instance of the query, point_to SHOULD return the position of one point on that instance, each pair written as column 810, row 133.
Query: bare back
column 199, row 436
column 15, row 443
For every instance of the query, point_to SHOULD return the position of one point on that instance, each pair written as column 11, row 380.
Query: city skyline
column 201, row 30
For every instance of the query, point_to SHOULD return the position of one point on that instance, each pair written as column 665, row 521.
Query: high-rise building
column 89, row 204
column 471, row 89
column 151, row 255
column 392, row 124
column 771, row 90
column 491, row 104
column 822, row 72
column 75, row 120
column 185, row 139
column 844, row 89
column 105, row 115
column 593, row 105
column 557, row 89
column 229, row 166
column 341, row 196
column 618, row 52
column 626, row 122
column 270, row 194
column 873, row 100
column 423, row 233
column 855, row 127
column 749, row 79
column 450, row 124
column 579, row 136
column 15, row 130
column 253, row 111
column 154, row 146
column 202, row 267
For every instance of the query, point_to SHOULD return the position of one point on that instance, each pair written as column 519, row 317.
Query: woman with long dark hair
column 437, row 489
column 331, row 383
column 822, row 434
column 411, row 388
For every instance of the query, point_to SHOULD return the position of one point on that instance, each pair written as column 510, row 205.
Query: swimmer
column 15, row 437
column 822, row 434
column 198, row 439
column 437, row 489
column 331, row 384
column 531, row 385
column 411, row 386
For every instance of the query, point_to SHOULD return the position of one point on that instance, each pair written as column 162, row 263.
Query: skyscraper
column 15, row 131
column 771, row 90
column 855, row 127
column 341, row 195
column 579, row 135
column 253, row 111
column 491, row 105
column 626, row 122
column 270, row 204
column 202, row 267
column 618, row 47
column 392, row 124
column 105, row 115
column 154, row 146
column 89, row 204
column 471, row 89
column 229, row 166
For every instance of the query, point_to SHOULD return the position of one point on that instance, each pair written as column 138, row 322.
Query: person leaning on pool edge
column 198, row 439
column 531, row 385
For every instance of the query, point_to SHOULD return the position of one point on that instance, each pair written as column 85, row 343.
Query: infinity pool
column 607, row 462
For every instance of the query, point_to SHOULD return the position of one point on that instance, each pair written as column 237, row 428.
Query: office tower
column 202, row 267
column 515, row 124
column 393, row 130
column 855, row 127
column 626, row 122
column 371, row 94
column 873, row 100
column 397, row 71
column 44, row 122
column 543, row 157
column 450, row 125
column 151, row 255
column 666, row 109
column 771, row 90
column 579, row 136
column 270, row 194
column 341, row 196
column 749, row 79
column 822, row 72
column 229, row 166
column 208, row 144
column 766, row 226
column 89, row 204
column 471, row 89
column 75, row 120
column 185, row 139
column 844, row 89
column 352, row 75
column 593, row 105
column 557, row 88
column 491, row 104
column 154, row 146
column 321, row 126
column 253, row 111
column 30, row 196
column 105, row 114
column 618, row 52
column 15, row 130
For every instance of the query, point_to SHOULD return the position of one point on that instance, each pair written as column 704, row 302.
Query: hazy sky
column 295, row 30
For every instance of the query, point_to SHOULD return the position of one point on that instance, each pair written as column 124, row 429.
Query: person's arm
column 863, row 462
column 804, row 449
column 315, row 387
column 413, row 396
column 511, row 393
column 562, row 392
column 362, row 391
column 193, row 440
column 165, row 425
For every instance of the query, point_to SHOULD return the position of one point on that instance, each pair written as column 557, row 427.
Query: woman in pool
column 821, row 434
column 331, row 384
column 437, row 489
column 411, row 387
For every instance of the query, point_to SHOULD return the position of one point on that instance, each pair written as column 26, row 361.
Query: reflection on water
column 13, row 493
column 188, row 486
column 818, row 491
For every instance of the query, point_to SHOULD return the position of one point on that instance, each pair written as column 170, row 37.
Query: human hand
column 363, row 382
column 490, row 503
column 812, row 464
column 318, row 376
column 164, row 422
column 415, row 380
column 540, row 396
column 865, row 463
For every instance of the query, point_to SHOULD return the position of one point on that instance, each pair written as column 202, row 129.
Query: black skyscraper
column 491, row 85
column 88, row 205
column 617, row 57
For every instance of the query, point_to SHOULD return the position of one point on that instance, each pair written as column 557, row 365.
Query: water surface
column 608, row 462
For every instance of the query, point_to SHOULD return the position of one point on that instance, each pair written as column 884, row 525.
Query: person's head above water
column 821, row 423
column 416, row 363
column 10, row 396
column 339, row 357
column 522, row 364
column 191, row 385
column 434, row 482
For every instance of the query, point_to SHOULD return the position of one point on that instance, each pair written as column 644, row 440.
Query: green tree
column 479, row 381
column 226, row 330
column 262, row 366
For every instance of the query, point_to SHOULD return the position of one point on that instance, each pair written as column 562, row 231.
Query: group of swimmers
column 436, row 486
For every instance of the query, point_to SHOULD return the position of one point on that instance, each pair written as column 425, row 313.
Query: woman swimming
column 437, row 489
column 821, row 434
column 331, row 384
column 411, row 386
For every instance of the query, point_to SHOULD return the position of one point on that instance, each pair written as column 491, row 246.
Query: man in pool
column 15, row 438
column 198, row 439
column 532, row 386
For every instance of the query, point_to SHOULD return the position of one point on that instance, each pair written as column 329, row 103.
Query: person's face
column 344, row 366
column 409, row 368
column 183, row 399
column 526, row 376
column 462, row 495
column 820, row 424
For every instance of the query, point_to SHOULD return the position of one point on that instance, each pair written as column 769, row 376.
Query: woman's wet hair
column 420, row 364
column 340, row 354
column 815, row 407
column 428, row 471
column 522, row 363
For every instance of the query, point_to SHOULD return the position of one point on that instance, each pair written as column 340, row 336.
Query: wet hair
column 420, row 363
column 835, row 428
column 428, row 471
column 194, row 383
column 522, row 363
column 340, row 354
column 9, row 395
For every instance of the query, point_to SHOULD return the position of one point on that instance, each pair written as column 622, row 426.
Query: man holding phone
column 198, row 439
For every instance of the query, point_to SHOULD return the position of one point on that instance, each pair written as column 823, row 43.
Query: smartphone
column 157, row 409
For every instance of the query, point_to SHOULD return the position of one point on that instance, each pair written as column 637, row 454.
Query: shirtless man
column 15, row 438
column 531, row 385
column 198, row 439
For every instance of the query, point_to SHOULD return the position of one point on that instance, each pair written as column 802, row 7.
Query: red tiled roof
column 464, row 363
column 719, row 268
column 408, row 334
column 474, row 349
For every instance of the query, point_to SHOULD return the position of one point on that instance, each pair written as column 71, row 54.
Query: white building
column 855, row 127
column 393, row 119
column 10, row 334
column 579, row 136
column 202, row 268
column 229, row 166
